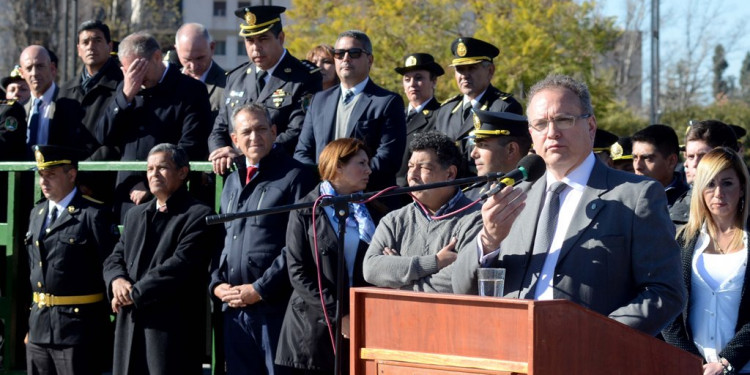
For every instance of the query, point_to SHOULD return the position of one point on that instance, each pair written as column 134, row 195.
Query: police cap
column 469, row 51
column 603, row 140
column 258, row 19
column 49, row 156
column 15, row 76
column 495, row 124
column 420, row 61
column 622, row 149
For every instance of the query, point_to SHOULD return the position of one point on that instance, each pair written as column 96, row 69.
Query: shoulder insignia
column 504, row 95
column 484, row 107
column 238, row 67
column 446, row 101
column 7, row 101
column 91, row 199
column 11, row 123
column 312, row 68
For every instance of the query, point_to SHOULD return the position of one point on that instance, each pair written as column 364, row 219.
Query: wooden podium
column 400, row 333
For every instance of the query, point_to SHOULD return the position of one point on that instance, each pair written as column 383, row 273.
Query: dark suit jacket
column 285, row 95
column 304, row 342
column 619, row 257
column 92, row 104
column 62, row 131
column 165, row 256
column 253, row 246
column 679, row 334
column 377, row 119
column 215, row 82
column 421, row 122
column 67, row 261
column 176, row 111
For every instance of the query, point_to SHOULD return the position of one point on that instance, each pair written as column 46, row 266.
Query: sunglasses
column 354, row 53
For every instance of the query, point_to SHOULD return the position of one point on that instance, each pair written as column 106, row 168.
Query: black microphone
column 529, row 168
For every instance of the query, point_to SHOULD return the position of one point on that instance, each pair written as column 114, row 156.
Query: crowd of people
column 616, row 224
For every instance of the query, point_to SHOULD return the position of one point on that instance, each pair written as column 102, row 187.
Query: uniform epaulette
column 310, row 66
column 504, row 95
column 93, row 200
column 236, row 68
column 446, row 101
column 7, row 101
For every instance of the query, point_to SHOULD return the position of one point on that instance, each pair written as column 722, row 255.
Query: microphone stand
column 341, row 210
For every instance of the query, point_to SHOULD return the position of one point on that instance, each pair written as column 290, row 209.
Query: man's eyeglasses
column 354, row 53
column 561, row 122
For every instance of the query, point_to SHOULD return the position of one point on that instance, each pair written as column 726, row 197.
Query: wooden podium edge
column 443, row 360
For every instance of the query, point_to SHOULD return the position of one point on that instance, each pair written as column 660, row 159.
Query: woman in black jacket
column 716, row 321
column 307, row 335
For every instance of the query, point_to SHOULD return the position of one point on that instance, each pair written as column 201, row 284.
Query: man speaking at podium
column 583, row 232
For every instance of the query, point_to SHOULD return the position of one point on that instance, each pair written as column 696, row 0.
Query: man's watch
column 728, row 368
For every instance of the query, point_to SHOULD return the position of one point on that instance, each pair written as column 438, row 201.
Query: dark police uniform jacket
column 67, row 261
column 12, row 131
column 252, row 246
column 286, row 95
column 165, row 256
column 421, row 122
column 450, row 116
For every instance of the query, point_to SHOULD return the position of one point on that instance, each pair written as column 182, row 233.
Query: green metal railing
column 9, row 232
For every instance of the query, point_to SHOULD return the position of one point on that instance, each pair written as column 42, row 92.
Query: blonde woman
column 715, row 324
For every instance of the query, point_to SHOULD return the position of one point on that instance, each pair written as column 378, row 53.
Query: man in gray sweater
column 413, row 248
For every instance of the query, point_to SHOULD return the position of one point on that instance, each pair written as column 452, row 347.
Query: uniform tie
column 260, row 80
column 411, row 114
column 545, row 230
column 250, row 173
column 467, row 110
column 348, row 95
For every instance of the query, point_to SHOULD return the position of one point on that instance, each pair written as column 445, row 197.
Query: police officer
column 603, row 141
column 500, row 140
column 272, row 77
column 420, row 73
column 15, row 86
column 621, row 153
column 473, row 70
column 69, row 237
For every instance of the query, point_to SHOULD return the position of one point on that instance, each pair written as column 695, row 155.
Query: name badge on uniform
column 278, row 97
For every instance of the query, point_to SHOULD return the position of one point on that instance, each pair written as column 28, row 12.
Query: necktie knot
column 411, row 114
column 348, row 95
column 467, row 109
column 260, row 79
column 250, row 173
column 557, row 188
column 53, row 215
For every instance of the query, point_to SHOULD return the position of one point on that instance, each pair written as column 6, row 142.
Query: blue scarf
column 358, row 215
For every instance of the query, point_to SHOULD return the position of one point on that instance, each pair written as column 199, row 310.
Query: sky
column 731, row 16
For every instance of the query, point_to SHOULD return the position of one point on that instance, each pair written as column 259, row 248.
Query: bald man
column 42, row 110
column 195, row 50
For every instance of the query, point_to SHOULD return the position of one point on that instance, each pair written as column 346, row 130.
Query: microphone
column 529, row 168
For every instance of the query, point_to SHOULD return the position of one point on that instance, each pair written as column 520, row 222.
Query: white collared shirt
column 570, row 197
column 420, row 107
column 270, row 70
column 474, row 102
column 45, row 114
column 204, row 75
column 715, row 293
column 356, row 90
column 62, row 205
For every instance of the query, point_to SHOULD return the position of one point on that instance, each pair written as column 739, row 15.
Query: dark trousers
column 250, row 342
column 60, row 360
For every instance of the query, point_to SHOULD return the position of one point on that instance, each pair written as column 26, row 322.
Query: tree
column 535, row 37
column 720, row 86
column 745, row 77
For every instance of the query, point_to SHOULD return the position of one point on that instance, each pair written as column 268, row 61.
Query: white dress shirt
column 715, row 293
column 569, row 199
column 45, row 114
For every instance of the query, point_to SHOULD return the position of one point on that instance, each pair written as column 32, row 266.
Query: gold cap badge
column 250, row 18
column 616, row 151
column 411, row 61
column 461, row 49
column 39, row 157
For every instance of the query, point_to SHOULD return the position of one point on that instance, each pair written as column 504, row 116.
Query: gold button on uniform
column 47, row 230
column 40, row 263
column 71, row 240
column 75, row 310
column 39, row 284
column 36, row 243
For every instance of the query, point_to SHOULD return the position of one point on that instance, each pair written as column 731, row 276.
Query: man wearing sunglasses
column 357, row 108
column 473, row 70
column 272, row 77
